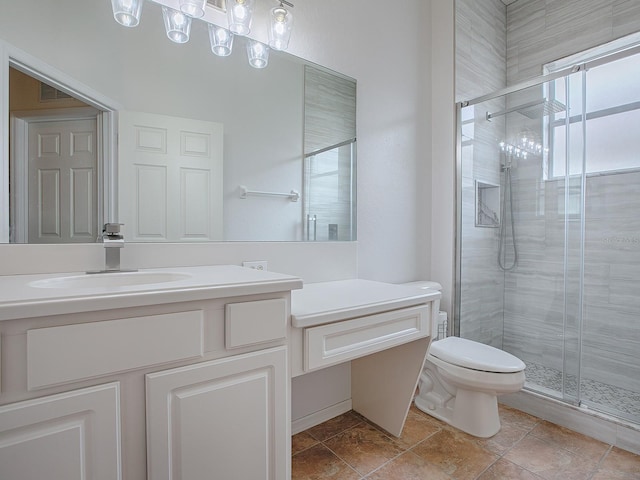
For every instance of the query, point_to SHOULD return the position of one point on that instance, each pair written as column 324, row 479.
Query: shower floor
column 613, row 400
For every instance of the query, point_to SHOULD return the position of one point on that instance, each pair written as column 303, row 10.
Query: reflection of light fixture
column 221, row 40
column 239, row 13
column 526, row 145
column 281, row 22
column 127, row 12
column 258, row 54
column 177, row 25
column 193, row 8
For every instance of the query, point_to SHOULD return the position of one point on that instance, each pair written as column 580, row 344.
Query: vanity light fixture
column 280, row 25
column 193, row 8
column 127, row 12
column 221, row 40
column 258, row 54
column 176, row 24
column 239, row 15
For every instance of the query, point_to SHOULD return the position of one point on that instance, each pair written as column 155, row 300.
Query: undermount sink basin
column 107, row 280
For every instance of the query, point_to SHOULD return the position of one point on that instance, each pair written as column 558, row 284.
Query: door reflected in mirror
column 278, row 129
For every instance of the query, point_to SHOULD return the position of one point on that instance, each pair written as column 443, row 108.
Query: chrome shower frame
column 454, row 324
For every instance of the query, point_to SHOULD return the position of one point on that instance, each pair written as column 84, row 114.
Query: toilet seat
column 473, row 355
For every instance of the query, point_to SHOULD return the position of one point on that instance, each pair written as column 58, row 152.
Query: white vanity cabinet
column 73, row 436
column 187, row 383
column 222, row 419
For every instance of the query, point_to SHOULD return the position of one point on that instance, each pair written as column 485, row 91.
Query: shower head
column 533, row 110
column 542, row 109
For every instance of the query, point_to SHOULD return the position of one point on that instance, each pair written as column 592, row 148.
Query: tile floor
column 527, row 448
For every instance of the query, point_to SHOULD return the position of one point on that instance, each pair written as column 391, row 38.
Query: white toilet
column 462, row 379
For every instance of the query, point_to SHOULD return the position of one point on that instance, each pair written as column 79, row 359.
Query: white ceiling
column 508, row 2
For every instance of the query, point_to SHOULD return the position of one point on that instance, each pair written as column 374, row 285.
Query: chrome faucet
column 113, row 242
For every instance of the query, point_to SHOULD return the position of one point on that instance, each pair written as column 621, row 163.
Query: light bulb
column 280, row 27
column 258, row 54
column 221, row 40
column 239, row 15
column 193, row 8
column 176, row 24
column 127, row 12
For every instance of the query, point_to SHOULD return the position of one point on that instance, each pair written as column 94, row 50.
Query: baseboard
column 316, row 418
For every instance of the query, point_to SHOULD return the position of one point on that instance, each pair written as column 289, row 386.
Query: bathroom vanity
column 383, row 329
column 157, row 374
column 171, row 373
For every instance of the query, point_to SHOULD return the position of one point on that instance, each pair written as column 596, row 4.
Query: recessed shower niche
column 487, row 204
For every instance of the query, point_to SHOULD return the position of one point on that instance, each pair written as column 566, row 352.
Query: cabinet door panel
column 73, row 435
column 226, row 419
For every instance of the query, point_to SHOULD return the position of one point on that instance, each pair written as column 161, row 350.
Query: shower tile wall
column 541, row 31
column 538, row 32
column 480, row 69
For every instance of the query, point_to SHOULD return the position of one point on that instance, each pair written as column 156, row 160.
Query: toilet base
column 473, row 412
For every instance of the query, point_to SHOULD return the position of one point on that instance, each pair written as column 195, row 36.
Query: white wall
column 388, row 56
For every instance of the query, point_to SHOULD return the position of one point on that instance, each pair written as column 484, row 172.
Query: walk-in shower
column 557, row 282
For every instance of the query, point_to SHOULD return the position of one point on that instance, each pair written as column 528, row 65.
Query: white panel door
column 70, row 436
column 63, row 181
column 170, row 178
column 224, row 419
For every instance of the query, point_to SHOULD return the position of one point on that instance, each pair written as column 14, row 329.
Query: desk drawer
column 338, row 342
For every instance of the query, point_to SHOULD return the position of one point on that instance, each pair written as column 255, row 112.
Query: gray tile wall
column 541, row 31
column 480, row 69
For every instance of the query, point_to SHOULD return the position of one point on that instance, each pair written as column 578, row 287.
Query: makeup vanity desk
column 383, row 329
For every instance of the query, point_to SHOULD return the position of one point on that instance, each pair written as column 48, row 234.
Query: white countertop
column 19, row 298
column 327, row 302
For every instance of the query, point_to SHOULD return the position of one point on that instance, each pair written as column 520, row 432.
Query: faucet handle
column 112, row 228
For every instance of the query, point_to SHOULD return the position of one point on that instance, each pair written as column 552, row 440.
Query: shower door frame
column 454, row 325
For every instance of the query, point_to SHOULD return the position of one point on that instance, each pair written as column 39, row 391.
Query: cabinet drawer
column 337, row 342
column 73, row 352
column 250, row 323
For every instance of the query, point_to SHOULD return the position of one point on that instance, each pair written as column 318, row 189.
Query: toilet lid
column 478, row 356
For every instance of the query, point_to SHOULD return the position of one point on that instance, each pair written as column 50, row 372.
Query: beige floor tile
column 334, row 426
column 619, row 464
column 416, row 429
column 503, row 470
column 301, row 441
column 550, row 461
column 319, row 463
column 507, row 437
column 408, row 466
column 364, row 447
column 517, row 418
column 569, row 440
column 456, row 453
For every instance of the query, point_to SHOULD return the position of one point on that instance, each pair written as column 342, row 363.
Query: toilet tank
column 439, row 326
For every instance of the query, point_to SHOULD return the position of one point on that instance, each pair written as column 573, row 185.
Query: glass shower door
column 520, row 239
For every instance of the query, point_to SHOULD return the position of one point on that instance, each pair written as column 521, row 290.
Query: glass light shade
column 280, row 25
column 221, row 40
column 239, row 13
column 127, row 12
column 176, row 24
column 193, row 8
column 258, row 54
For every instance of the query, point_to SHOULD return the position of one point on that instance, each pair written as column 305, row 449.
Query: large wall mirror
column 108, row 123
